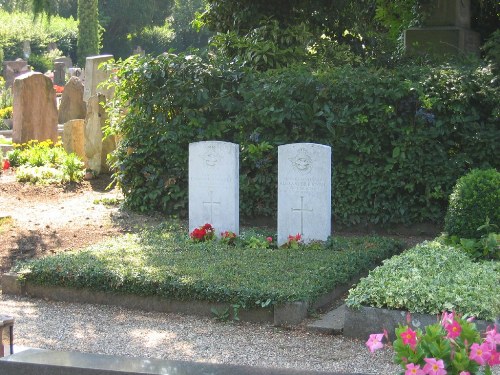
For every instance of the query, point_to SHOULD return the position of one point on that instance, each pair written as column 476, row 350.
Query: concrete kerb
column 286, row 314
column 362, row 322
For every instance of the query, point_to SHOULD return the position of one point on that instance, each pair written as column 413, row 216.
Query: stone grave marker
column 214, row 185
column 72, row 105
column 94, row 76
column 77, row 72
column 13, row 69
column 73, row 138
column 446, row 30
column 35, row 109
column 26, row 49
column 59, row 74
column 304, row 191
column 139, row 51
column 97, row 148
column 68, row 63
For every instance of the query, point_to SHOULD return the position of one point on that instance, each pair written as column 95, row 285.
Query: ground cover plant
column 45, row 163
column 431, row 278
column 165, row 261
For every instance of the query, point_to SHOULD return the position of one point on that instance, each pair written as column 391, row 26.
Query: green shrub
column 163, row 261
column 431, row 278
column 474, row 201
column 154, row 40
column 5, row 113
column 400, row 137
column 40, row 63
column 6, row 98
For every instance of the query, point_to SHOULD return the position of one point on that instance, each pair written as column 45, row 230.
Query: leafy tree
column 184, row 13
column 122, row 19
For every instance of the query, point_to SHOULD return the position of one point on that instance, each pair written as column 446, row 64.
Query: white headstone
column 214, row 185
column 94, row 76
column 304, row 191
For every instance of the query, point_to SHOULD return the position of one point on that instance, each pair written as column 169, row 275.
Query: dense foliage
column 164, row 262
column 431, row 278
column 88, row 30
column 400, row 137
column 18, row 27
column 475, row 201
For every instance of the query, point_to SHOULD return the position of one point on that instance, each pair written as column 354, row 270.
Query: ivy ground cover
column 164, row 261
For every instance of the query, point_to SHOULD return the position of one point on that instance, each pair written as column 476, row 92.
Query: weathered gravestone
column 68, row 63
column 72, row 105
column 35, row 109
column 94, row 76
column 304, row 191
column 13, row 69
column 445, row 31
column 59, row 74
column 97, row 148
column 214, row 185
column 74, row 138
column 77, row 72
column 26, row 49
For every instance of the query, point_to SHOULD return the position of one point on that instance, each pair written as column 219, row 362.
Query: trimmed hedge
column 474, row 201
column 400, row 137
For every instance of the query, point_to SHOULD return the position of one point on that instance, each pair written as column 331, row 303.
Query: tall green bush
column 400, row 137
column 475, row 200
column 88, row 30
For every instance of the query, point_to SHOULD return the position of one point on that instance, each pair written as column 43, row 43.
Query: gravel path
column 117, row 331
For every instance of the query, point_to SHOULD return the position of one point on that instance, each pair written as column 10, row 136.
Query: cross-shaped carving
column 302, row 210
column 211, row 203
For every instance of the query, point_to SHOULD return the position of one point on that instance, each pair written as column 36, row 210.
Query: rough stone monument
column 13, row 69
column 304, row 191
column 94, row 76
column 72, row 105
column 68, row 63
column 97, row 148
column 35, row 109
column 74, row 138
column 214, row 186
column 445, row 31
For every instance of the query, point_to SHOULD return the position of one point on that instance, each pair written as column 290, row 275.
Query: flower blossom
column 480, row 353
column 454, row 329
column 434, row 366
column 412, row 369
column 409, row 338
column 375, row 342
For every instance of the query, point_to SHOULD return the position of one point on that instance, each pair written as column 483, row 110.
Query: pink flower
column 375, row 342
column 492, row 338
column 409, row 338
column 447, row 318
column 494, row 359
column 454, row 329
column 480, row 353
column 412, row 369
column 464, row 373
column 434, row 366
column 269, row 239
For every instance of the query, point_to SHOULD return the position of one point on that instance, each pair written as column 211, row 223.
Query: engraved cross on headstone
column 211, row 203
column 301, row 210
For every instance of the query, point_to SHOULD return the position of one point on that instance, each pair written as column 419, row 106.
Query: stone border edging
column 291, row 313
column 367, row 320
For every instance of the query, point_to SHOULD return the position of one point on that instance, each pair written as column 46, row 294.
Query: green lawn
column 164, row 261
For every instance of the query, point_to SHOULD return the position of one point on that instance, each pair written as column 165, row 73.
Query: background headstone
column 35, row 109
column 72, row 105
column 77, row 72
column 304, row 191
column 214, row 186
column 446, row 30
column 13, row 69
column 59, row 74
column 94, row 76
column 26, row 49
column 74, row 138
column 139, row 51
column 97, row 149
column 68, row 63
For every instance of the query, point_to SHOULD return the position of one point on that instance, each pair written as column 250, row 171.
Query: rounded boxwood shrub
column 475, row 198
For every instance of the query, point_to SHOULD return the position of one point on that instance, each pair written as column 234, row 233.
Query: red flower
column 207, row 227
column 6, row 164
column 59, row 89
column 198, row 234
